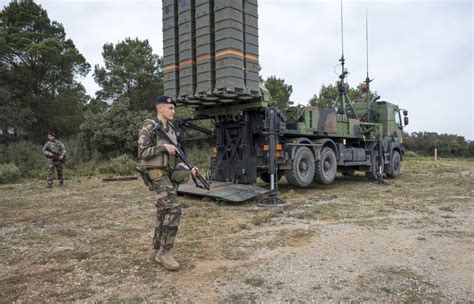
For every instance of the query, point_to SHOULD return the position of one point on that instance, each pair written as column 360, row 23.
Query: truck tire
column 265, row 177
column 372, row 174
column 395, row 165
column 302, row 168
column 326, row 167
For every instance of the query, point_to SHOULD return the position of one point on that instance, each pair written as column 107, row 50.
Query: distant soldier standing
column 55, row 153
column 156, row 156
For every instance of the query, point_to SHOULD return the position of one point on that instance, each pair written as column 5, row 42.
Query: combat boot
column 61, row 183
column 167, row 260
column 50, row 185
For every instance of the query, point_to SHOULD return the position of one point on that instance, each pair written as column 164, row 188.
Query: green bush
column 120, row 165
column 27, row 157
column 410, row 154
column 113, row 132
column 9, row 173
column 79, row 152
column 84, row 169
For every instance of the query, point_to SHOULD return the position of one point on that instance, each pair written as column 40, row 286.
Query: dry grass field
column 409, row 241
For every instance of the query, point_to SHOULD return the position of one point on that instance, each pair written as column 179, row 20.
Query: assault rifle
column 162, row 134
column 55, row 156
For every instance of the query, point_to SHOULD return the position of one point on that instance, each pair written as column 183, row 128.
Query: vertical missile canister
column 205, row 48
column 229, row 38
column 187, row 48
column 210, row 49
column 170, row 48
column 252, row 66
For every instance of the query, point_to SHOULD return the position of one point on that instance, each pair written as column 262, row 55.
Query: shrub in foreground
column 9, row 173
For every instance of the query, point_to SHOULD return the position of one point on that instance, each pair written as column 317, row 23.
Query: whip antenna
column 367, row 79
column 342, row 33
column 343, row 104
column 371, row 115
column 342, row 60
column 342, row 98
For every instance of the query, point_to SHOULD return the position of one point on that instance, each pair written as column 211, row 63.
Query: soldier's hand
column 61, row 157
column 194, row 171
column 50, row 154
column 171, row 149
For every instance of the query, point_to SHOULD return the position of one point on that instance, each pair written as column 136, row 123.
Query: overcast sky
column 420, row 52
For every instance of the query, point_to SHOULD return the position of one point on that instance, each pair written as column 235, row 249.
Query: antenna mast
column 367, row 79
column 342, row 76
column 341, row 84
column 342, row 36
column 371, row 115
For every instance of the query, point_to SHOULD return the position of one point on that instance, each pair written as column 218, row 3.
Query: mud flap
column 222, row 191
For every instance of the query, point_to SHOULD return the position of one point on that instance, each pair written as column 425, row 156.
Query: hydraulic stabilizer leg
column 272, row 139
column 380, row 162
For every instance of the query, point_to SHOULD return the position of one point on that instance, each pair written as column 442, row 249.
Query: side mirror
column 405, row 120
column 405, row 112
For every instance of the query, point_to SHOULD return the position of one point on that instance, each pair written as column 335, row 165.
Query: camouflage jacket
column 151, row 150
column 54, row 146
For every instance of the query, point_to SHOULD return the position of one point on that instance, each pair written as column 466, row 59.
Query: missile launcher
column 210, row 51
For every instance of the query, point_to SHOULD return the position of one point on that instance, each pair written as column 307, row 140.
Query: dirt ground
column 353, row 241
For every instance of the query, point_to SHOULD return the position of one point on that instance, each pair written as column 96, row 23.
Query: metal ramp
column 224, row 191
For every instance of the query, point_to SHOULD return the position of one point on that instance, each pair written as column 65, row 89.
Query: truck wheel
column 372, row 174
column 302, row 168
column 326, row 167
column 395, row 165
column 265, row 177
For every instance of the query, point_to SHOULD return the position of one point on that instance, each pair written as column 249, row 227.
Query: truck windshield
column 398, row 119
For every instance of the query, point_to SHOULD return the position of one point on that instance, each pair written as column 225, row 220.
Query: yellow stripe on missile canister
column 252, row 57
column 229, row 52
column 204, row 57
column 236, row 53
column 170, row 67
column 185, row 63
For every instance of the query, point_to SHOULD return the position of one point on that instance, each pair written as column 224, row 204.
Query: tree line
column 447, row 145
column 40, row 90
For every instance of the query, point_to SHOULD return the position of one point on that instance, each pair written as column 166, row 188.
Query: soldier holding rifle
column 55, row 153
column 157, row 155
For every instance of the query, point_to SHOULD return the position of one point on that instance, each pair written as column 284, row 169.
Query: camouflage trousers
column 168, row 214
column 52, row 166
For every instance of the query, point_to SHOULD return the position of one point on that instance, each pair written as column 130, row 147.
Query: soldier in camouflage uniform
column 55, row 153
column 156, row 156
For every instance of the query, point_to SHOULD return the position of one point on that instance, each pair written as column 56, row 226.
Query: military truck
column 312, row 143
column 211, row 65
